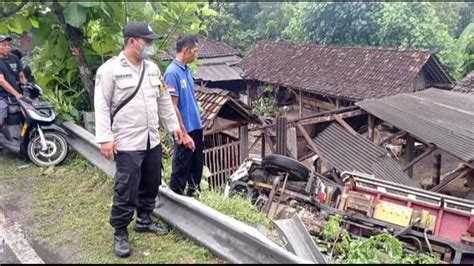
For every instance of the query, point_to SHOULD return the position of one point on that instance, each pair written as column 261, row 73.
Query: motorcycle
column 30, row 129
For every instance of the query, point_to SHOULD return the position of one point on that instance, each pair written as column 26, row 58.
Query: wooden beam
column 315, row 103
column 255, row 142
column 371, row 127
column 344, row 124
column 300, row 104
column 221, row 128
column 436, row 169
column 390, row 138
column 450, row 178
column 410, row 154
column 331, row 117
column 345, row 112
column 429, row 150
column 311, row 143
column 268, row 141
column 244, row 142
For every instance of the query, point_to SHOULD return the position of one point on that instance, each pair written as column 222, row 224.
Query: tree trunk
column 75, row 37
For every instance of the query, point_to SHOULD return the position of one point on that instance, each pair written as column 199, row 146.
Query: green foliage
column 99, row 26
column 381, row 248
column 415, row 25
column 332, row 228
column 266, row 105
column 348, row 23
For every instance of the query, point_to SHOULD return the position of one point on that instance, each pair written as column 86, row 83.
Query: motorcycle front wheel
column 55, row 152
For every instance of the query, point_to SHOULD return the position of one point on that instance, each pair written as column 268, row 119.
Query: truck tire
column 275, row 163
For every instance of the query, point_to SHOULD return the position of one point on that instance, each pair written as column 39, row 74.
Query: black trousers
column 187, row 165
column 137, row 180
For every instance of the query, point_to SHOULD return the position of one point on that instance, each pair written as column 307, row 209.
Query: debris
column 24, row 166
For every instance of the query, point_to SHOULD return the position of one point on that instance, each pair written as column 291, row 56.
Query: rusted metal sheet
column 443, row 118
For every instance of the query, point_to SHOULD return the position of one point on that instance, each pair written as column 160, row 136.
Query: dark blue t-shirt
column 180, row 82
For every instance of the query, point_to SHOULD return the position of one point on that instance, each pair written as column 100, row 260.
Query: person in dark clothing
column 132, row 137
column 10, row 73
column 188, row 160
column 26, row 68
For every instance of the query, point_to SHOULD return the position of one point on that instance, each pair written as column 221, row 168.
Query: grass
column 71, row 209
column 236, row 207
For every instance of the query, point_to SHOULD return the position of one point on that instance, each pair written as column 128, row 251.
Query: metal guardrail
column 227, row 238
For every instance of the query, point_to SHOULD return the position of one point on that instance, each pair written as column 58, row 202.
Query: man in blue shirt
column 188, row 155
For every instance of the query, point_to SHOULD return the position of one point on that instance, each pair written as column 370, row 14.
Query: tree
column 74, row 38
column 342, row 23
column 415, row 25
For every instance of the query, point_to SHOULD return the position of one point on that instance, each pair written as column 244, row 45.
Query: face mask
column 147, row 51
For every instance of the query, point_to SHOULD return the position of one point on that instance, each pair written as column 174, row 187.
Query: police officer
column 132, row 136
column 10, row 73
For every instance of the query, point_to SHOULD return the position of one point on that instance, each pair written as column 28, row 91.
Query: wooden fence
column 222, row 161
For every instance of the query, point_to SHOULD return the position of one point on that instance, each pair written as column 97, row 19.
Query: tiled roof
column 212, row 101
column 208, row 48
column 466, row 84
column 352, row 73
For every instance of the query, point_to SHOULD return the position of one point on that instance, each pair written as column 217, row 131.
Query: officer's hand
column 108, row 150
column 188, row 142
column 178, row 136
column 18, row 97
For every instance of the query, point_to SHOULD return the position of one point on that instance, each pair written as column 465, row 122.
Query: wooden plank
column 390, row 138
column 311, row 143
column 410, row 154
column 436, row 168
column 221, row 128
column 244, row 142
column 330, row 117
column 429, row 150
column 268, row 141
column 371, row 127
column 315, row 103
column 344, row 124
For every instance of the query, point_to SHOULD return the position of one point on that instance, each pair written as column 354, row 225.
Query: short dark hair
column 185, row 41
column 18, row 53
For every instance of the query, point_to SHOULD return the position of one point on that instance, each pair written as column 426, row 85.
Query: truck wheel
column 275, row 163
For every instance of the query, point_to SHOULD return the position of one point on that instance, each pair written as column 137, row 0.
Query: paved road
column 6, row 254
column 14, row 248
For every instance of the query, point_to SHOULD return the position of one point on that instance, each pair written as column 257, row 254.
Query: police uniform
column 135, row 131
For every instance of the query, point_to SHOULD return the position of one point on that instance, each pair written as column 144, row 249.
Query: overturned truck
column 423, row 220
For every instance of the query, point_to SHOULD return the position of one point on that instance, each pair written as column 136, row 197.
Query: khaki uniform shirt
column 139, row 119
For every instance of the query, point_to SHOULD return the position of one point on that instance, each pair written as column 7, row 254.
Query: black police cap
column 139, row 30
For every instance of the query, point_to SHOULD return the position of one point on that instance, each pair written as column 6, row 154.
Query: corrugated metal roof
column 348, row 152
column 217, row 72
column 444, row 118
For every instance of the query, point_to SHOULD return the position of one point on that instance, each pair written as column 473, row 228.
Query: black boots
column 145, row 224
column 121, row 244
